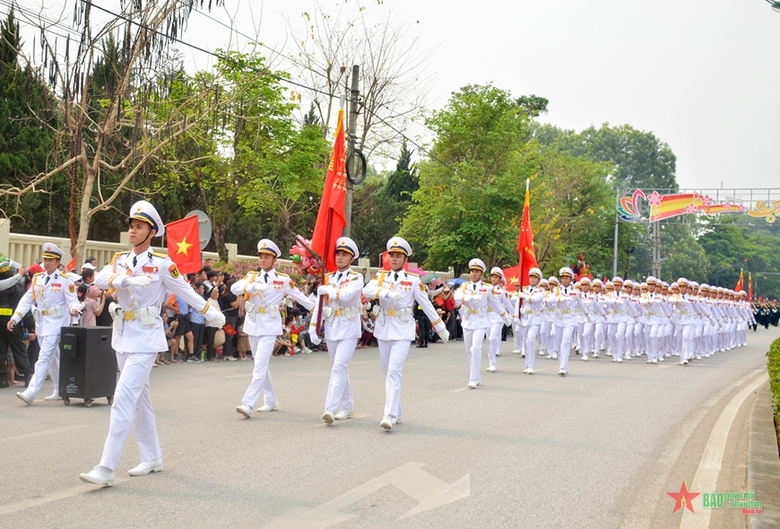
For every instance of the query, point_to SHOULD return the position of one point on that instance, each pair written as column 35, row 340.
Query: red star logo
column 684, row 495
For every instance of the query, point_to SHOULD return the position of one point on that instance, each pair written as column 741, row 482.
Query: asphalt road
column 599, row 448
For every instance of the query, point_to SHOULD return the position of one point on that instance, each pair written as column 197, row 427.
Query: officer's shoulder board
column 160, row 255
column 117, row 255
column 412, row 274
column 280, row 274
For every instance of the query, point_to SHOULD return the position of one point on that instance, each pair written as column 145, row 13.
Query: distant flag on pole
column 750, row 287
column 740, row 282
column 525, row 245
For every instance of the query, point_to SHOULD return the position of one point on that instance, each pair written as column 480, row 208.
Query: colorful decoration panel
column 668, row 206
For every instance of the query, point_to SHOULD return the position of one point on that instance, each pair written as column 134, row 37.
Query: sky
column 702, row 76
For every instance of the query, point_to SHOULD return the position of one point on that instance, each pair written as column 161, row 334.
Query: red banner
column 330, row 218
column 525, row 243
column 740, row 282
column 184, row 244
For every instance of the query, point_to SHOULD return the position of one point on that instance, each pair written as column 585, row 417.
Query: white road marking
column 54, row 496
column 429, row 491
column 712, row 459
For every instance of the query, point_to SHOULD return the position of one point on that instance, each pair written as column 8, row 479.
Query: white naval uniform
column 137, row 340
column 569, row 302
column 475, row 300
column 51, row 297
column 497, row 323
column 395, row 326
column 531, row 320
column 263, row 323
column 342, row 329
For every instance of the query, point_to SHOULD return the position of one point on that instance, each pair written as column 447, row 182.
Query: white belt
column 471, row 312
column 330, row 313
column 56, row 312
column 403, row 314
column 253, row 310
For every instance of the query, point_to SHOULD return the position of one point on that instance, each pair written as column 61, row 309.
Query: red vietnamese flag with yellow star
column 184, row 244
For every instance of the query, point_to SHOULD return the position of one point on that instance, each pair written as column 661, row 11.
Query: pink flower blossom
column 654, row 199
column 706, row 200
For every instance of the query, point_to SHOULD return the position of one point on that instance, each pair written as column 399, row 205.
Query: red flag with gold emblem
column 184, row 244
column 740, row 282
column 525, row 243
column 750, row 287
column 330, row 218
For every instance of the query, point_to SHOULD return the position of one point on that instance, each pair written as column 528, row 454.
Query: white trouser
column 472, row 339
column 640, row 340
column 563, row 355
column 132, row 404
column 339, row 388
column 688, row 332
column 531, row 332
column 611, row 337
column 494, row 342
column 599, row 335
column 586, row 338
column 557, row 336
column 262, row 348
column 519, row 336
column 393, row 353
column 630, row 349
column 48, row 362
column 545, row 330
column 620, row 339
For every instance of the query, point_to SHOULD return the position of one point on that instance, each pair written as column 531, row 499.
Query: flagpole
column 323, row 270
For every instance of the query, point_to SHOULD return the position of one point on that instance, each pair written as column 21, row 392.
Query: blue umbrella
column 455, row 283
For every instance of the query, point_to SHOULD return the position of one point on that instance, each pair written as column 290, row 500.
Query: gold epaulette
column 412, row 274
column 161, row 255
column 280, row 274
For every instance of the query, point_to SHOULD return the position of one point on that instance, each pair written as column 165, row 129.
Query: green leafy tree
column 469, row 200
column 24, row 144
column 642, row 160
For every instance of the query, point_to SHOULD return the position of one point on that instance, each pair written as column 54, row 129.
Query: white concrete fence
column 26, row 249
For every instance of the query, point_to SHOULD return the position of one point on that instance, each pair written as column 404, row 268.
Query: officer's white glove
column 507, row 320
column 257, row 287
column 113, row 307
column 314, row 337
column 215, row 317
column 326, row 290
column 137, row 281
column 444, row 334
column 395, row 296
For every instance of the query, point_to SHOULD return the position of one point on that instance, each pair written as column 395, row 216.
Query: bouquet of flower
column 307, row 262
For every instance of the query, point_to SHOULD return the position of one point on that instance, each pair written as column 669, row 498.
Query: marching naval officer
column 476, row 299
column 52, row 299
column 341, row 321
column 141, row 279
column 396, row 291
column 264, row 292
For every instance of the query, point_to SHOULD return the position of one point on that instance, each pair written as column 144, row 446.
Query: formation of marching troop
column 624, row 319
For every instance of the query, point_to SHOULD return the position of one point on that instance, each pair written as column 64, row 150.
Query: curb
column 764, row 462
